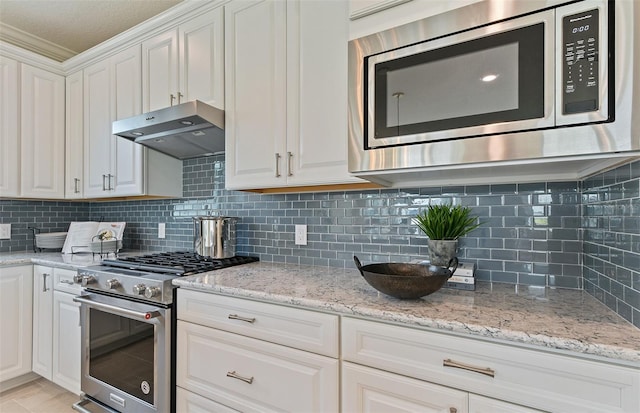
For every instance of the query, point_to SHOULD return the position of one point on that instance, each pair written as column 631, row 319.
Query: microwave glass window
column 497, row 78
column 470, row 84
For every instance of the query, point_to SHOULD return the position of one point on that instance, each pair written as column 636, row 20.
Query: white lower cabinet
column 192, row 403
column 42, row 320
column 16, row 295
column 66, row 342
column 370, row 390
column 479, row 404
column 543, row 380
column 56, row 327
column 241, row 372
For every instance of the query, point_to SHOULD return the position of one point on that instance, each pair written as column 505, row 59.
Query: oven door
column 125, row 353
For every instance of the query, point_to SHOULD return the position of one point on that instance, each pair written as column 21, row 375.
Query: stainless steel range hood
column 189, row 130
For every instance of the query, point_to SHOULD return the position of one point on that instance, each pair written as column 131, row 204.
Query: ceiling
column 60, row 29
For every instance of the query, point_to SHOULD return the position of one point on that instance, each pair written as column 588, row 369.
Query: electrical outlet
column 5, row 231
column 301, row 235
column 161, row 230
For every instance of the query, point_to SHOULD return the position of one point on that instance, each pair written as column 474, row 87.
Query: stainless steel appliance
column 214, row 236
column 496, row 81
column 127, row 321
column 187, row 130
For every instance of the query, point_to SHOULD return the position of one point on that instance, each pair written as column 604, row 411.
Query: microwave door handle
column 144, row 316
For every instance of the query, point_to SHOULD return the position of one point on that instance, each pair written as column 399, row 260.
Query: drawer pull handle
column 486, row 371
column 66, row 282
column 237, row 317
column 235, row 375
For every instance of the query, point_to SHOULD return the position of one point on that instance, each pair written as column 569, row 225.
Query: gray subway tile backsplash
column 558, row 234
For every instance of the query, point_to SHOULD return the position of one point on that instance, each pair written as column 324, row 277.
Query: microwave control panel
column 580, row 67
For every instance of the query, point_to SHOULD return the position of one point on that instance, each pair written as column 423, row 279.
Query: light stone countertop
column 52, row 259
column 562, row 319
column 552, row 318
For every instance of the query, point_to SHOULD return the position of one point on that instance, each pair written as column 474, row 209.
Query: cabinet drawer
column 63, row 281
column 538, row 379
column 187, row 402
column 367, row 390
column 254, row 376
column 302, row 329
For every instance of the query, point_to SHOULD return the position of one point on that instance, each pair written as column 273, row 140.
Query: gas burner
column 177, row 263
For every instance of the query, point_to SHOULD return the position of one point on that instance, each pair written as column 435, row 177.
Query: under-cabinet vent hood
column 188, row 130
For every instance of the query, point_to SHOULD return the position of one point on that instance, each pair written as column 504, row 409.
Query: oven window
column 121, row 353
column 497, row 78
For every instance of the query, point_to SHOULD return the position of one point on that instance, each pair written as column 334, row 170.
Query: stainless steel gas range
column 127, row 318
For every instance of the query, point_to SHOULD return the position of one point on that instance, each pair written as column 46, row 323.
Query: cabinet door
column 42, row 320
column 255, row 93
column 9, row 132
column 317, row 93
column 74, row 137
column 128, row 157
column 160, row 71
column 479, row 404
column 97, row 128
column 66, row 342
column 201, row 58
column 42, row 133
column 367, row 390
column 16, row 294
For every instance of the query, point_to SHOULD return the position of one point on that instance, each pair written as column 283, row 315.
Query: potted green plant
column 444, row 224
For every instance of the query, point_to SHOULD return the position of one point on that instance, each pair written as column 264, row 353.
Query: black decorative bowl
column 406, row 281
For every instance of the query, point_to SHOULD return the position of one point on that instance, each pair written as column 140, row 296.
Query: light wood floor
column 39, row 396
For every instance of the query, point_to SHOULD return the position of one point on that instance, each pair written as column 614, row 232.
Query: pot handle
column 453, row 262
column 358, row 264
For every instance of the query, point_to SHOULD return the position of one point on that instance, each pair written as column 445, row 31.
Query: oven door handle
column 144, row 316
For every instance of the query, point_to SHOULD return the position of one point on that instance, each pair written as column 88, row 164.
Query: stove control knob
column 77, row 278
column 112, row 284
column 152, row 292
column 139, row 289
column 88, row 279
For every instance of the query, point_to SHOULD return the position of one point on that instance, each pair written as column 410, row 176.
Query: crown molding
column 30, row 58
column 39, row 45
column 164, row 21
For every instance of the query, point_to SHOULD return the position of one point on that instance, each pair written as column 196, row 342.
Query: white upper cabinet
column 74, row 145
column 202, row 58
column 160, row 68
column 42, row 133
column 128, row 159
column 255, row 97
column 115, row 166
column 185, row 63
column 97, row 129
column 9, row 128
column 286, row 82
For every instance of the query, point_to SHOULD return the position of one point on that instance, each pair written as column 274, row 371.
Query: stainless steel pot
column 214, row 236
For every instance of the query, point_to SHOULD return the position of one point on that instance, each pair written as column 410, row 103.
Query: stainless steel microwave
column 495, row 81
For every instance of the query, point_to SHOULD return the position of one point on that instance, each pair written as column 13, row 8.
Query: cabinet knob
column 453, row 410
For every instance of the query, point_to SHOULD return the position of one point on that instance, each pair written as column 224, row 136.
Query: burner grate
column 178, row 262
